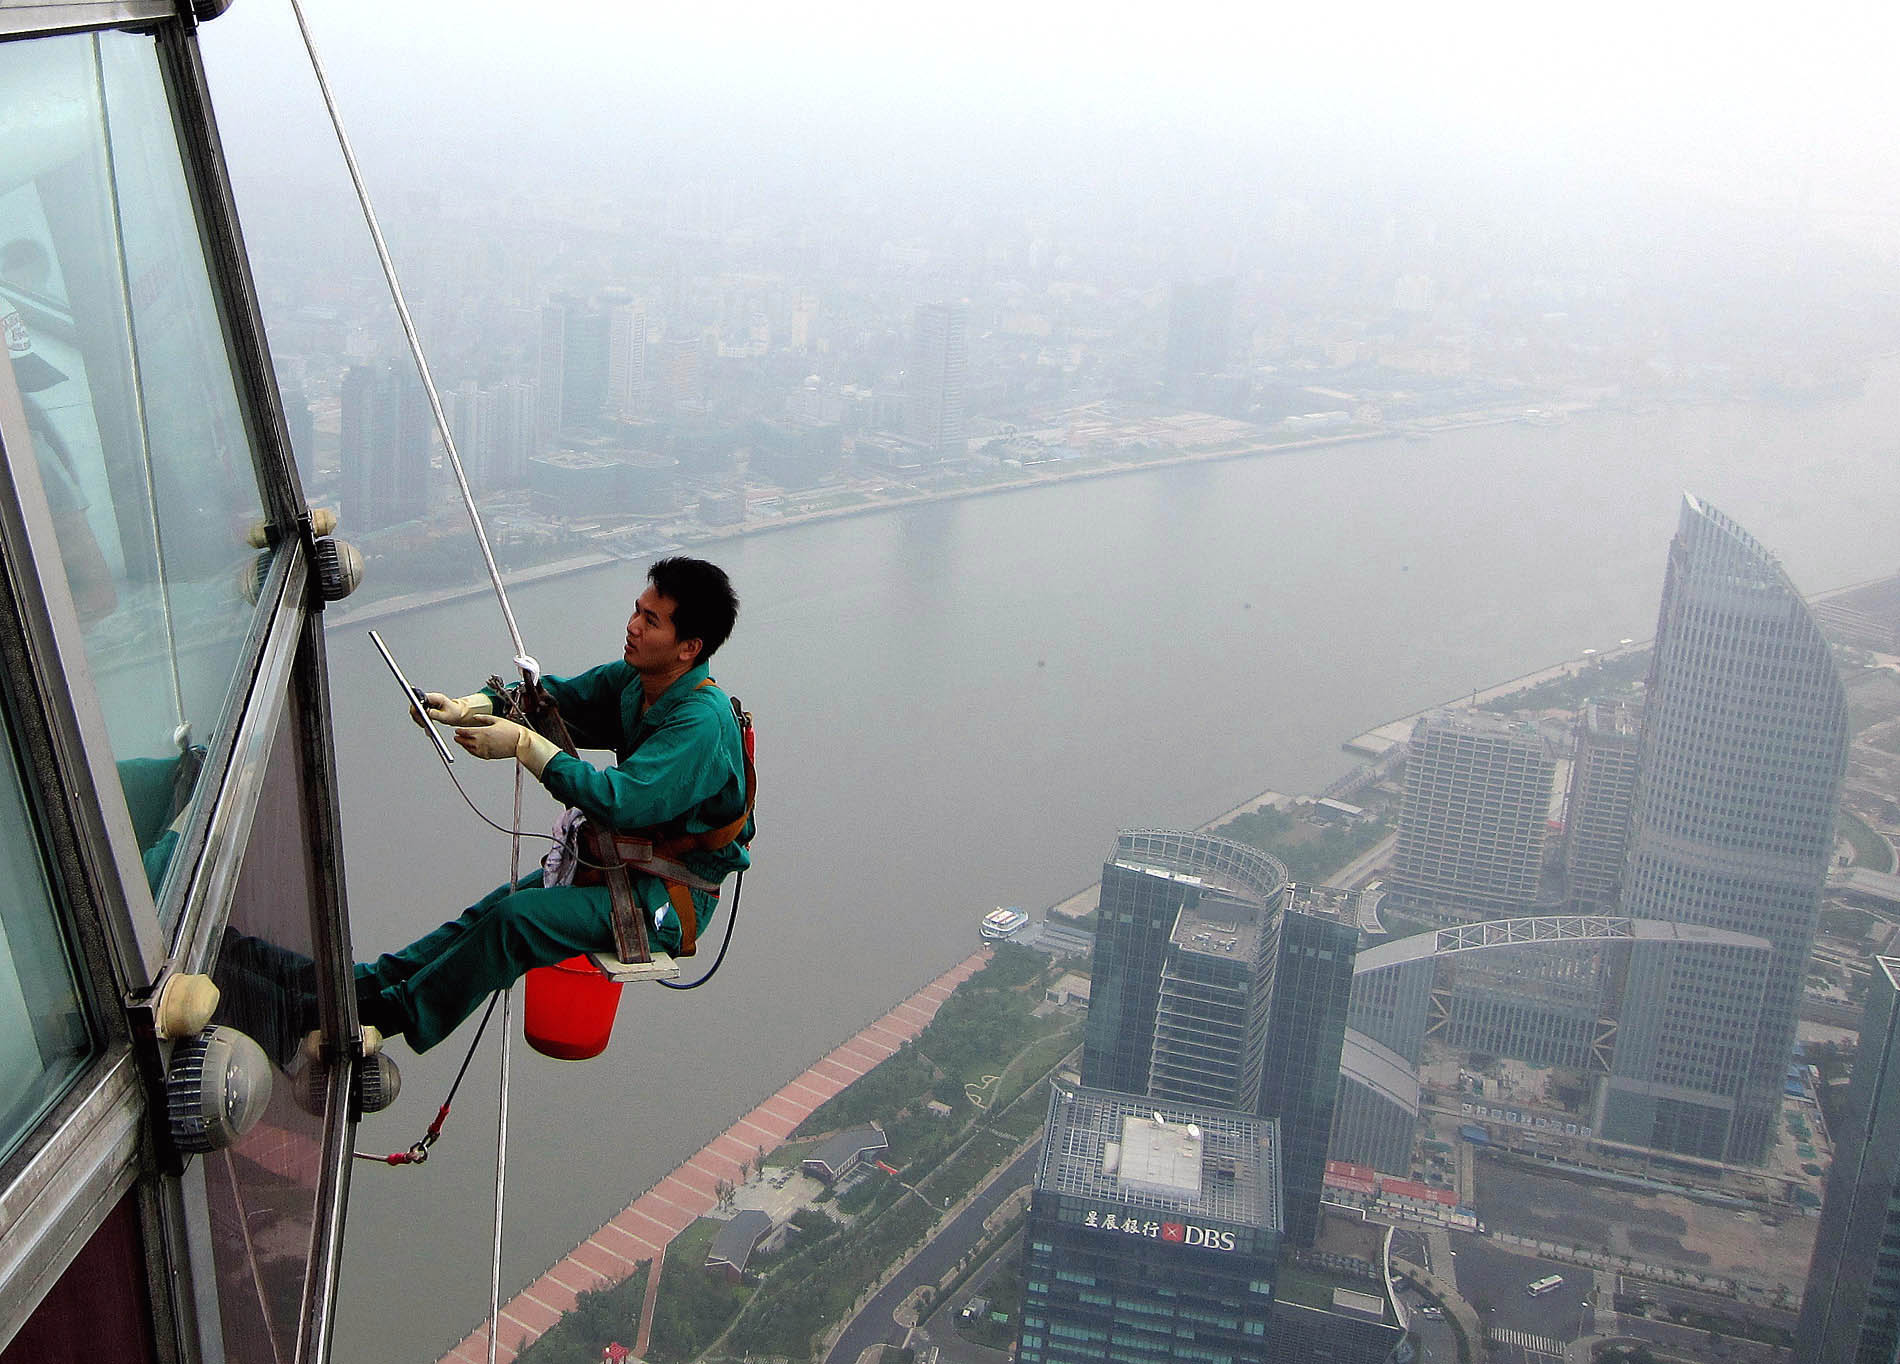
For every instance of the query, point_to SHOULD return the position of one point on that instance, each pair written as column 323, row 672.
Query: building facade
column 1154, row 1234
column 1850, row 1313
column 1597, row 807
column 937, row 382
column 1473, row 819
column 1299, row 1085
column 1154, row 882
column 164, row 700
column 1208, row 988
column 386, row 440
column 1744, row 747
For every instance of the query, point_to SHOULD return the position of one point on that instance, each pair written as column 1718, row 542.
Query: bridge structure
column 1395, row 1008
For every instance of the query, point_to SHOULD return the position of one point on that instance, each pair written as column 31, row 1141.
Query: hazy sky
column 1749, row 102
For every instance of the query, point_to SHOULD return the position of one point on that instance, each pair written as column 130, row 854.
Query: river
column 959, row 704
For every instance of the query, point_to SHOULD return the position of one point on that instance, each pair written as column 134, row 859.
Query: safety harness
column 609, row 857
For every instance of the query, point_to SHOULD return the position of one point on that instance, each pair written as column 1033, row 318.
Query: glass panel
column 134, row 417
column 44, row 1040
column 263, row 1192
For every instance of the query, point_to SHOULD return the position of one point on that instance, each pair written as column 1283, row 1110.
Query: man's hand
column 490, row 736
column 449, row 710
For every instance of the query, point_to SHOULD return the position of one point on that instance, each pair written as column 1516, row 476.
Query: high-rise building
column 1146, row 973
column 1850, row 1313
column 626, row 358
column 1597, row 809
column 935, row 384
column 1473, row 820
column 384, row 447
column 494, row 430
column 1154, row 1234
column 1299, row 1079
column 1200, row 329
column 1206, row 988
column 576, row 349
column 1744, row 746
column 550, row 375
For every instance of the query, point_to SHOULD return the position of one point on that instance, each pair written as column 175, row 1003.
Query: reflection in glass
column 136, row 430
column 44, row 1040
column 263, row 1192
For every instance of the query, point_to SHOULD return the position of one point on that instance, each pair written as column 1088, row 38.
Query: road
column 874, row 1324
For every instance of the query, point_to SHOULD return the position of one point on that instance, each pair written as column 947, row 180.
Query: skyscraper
column 1744, row 747
column 626, row 358
column 1473, row 819
column 1200, row 329
column 1850, row 1313
column 1153, row 1234
column 1597, row 811
column 1206, row 988
column 939, row 360
column 1299, row 1077
column 384, row 447
column 576, row 360
column 1210, row 888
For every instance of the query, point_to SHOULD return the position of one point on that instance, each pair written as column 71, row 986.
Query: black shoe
column 374, row 1009
column 267, row 992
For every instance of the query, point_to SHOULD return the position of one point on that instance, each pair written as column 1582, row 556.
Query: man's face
column 652, row 645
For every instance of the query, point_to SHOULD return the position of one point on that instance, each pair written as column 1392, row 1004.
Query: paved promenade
column 642, row 1230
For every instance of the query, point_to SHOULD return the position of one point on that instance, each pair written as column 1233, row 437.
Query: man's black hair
column 704, row 604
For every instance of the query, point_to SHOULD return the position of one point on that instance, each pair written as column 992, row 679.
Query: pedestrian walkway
column 1541, row 1344
column 642, row 1230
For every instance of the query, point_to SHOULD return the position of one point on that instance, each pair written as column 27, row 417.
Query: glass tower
column 1851, row 1310
column 1744, row 748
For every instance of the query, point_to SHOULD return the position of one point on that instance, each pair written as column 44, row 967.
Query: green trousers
column 438, row 980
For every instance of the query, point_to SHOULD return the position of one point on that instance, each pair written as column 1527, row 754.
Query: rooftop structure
column 1154, row 1233
column 1160, row 1156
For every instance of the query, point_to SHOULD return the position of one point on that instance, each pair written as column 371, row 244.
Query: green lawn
column 1870, row 849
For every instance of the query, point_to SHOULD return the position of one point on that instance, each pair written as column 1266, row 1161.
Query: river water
column 960, row 704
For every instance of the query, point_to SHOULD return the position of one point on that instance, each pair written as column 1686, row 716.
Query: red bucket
column 570, row 1012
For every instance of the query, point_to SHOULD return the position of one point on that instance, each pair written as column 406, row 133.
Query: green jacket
column 679, row 764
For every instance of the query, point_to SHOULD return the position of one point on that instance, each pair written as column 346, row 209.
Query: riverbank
column 371, row 612
column 642, row 1230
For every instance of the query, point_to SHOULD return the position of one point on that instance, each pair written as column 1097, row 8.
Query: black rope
column 732, row 917
column 418, row 1152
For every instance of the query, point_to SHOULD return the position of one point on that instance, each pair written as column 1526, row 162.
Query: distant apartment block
column 626, row 358
column 1744, row 747
column 385, row 446
column 1200, row 328
column 937, row 380
column 1474, row 817
column 494, row 428
column 575, row 362
column 1597, row 810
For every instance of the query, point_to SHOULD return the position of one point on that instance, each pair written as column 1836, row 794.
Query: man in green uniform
column 679, row 766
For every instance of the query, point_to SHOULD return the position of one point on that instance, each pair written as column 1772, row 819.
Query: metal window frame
column 92, row 1147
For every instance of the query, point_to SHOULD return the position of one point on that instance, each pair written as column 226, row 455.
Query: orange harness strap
column 657, row 854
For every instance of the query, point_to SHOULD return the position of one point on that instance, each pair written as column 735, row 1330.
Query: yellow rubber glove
column 447, row 710
column 490, row 737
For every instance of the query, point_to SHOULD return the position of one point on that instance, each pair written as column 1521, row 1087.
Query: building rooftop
column 1204, row 1162
column 1221, row 864
column 1219, row 927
